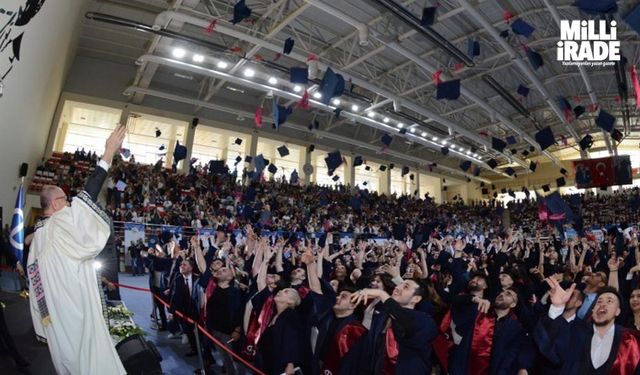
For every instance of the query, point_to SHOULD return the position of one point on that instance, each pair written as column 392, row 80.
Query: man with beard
column 602, row 347
column 496, row 344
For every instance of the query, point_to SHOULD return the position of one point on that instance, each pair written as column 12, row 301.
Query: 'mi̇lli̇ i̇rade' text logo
column 588, row 42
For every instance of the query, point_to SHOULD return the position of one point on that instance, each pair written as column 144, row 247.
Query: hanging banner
column 603, row 172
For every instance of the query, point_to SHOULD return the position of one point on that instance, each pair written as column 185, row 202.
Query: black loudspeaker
column 195, row 122
column 24, row 167
column 138, row 356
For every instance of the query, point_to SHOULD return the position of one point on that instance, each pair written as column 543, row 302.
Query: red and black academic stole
column 392, row 350
column 628, row 355
column 340, row 346
column 444, row 341
column 481, row 344
column 257, row 325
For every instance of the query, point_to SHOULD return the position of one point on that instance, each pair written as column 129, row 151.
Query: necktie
column 187, row 281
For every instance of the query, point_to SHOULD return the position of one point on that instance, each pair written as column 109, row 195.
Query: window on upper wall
column 84, row 125
column 371, row 177
column 147, row 145
column 285, row 164
column 321, row 172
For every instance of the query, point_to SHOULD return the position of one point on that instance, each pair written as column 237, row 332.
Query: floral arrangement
column 124, row 329
column 119, row 312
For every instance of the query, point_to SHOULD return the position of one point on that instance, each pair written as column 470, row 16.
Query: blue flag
column 16, row 239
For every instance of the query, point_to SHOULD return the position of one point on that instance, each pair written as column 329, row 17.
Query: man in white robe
column 65, row 299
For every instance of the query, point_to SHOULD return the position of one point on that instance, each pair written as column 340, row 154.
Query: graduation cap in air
column 545, row 138
column 405, row 171
column 485, row 191
column 179, row 153
column 335, row 178
column 283, row 151
column 606, row 121
column 383, row 168
column 260, row 163
column 578, row 110
column 288, row 46
column 444, row 150
column 465, row 165
column 238, row 141
column 391, row 166
column 428, row 16
column 525, row 153
column 367, row 168
column 532, row 149
column 632, row 19
column 597, row 7
column 412, row 176
column 521, row 27
column 247, row 159
column 299, row 75
column 492, row 163
column 616, row 135
column 312, row 148
column 357, row 161
column 523, row 90
column 546, row 188
column 493, row 187
column 403, row 131
column 495, row 194
column 498, row 144
column 526, row 191
column 280, row 114
column 534, row 58
column 513, row 151
column 337, row 112
column 560, row 181
column 504, row 33
column 161, row 148
column 158, row 133
column 533, row 166
column 449, row 90
column 125, row 152
column 272, row 168
column 238, row 159
column 386, row 140
column 586, row 142
column 333, row 160
column 476, row 171
column 332, row 85
column 511, row 193
column 503, row 190
column 511, row 140
column 563, row 171
column 240, row 12
column 473, row 48
column 509, row 171
column 481, row 184
column 216, row 166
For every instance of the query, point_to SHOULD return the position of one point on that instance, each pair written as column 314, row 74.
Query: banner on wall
column 603, row 172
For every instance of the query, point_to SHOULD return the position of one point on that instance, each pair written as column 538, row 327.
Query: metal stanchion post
column 202, row 369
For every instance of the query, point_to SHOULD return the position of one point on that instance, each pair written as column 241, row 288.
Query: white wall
column 32, row 88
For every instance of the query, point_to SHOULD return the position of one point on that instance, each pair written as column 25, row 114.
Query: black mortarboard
column 449, row 90
column 533, row 165
column 367, row 168
column 272, row 168
column 498, row 144
column 578, row 110
column 586, row 142
column 299, row 75
column 238, row 141
column 428, row 16
column 485, row 191
column 546, row 188
column 283, row 151
column 247, row 159
column 532, row 149
column 216, row 166
column 238, row 159
column 333, row 160
column 125, row 152
column 260, row 163
column 476, row 171
column 616, row 135
column 495, row 194
column 560, row 181
column 493, row 187
column 511, row 193
column 444, row 151
column 468, row 179
column 405, row 171
column 391, row 166
column 523, row 90
column 596, row 7
column 357, row 161
column 158, row 133
column 288, row 46
column 335, row 178
column 503, row 190
column 606, row 121
column 521, row 27
column 525, row 153
column 513, row 151
column 240, row 12
column 504, row 33
column 161, row 148
column 511, row 139
column 179, row 153
column 526, row 192
column 492, row 163
column 473, row 48
column 509, row 171
column 473, row 149
column 383, row 168
column 465, row 165
column 535, row 58
column 280, row 114
column 481, row 184
column 632, row 19
column 403, row 131
column 545, row 138
column 332, row 85
column 563, row 171
column 337, row 112
column 312, row 147
column 365, row 183
column 411, row 176
column 386, row 139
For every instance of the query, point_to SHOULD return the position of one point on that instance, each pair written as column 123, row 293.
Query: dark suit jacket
column 182, row 300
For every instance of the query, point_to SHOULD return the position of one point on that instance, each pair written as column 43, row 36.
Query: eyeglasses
column 65, row 197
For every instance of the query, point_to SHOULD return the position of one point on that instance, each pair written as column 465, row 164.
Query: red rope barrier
column 200, row 328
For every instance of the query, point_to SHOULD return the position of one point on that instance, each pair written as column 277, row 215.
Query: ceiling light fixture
column 222, row 64
column 197, row 58
column 297, row 88
column 355, row 108
column 273, row 81
column 249, row 72
column 336, row 102
column 179, row 53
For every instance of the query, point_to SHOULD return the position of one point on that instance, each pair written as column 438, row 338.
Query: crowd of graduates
column 415, row 288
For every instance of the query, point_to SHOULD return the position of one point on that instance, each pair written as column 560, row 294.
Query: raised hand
column 114, row 142
column 307, row 258
column 614, row 263
column 559, row 296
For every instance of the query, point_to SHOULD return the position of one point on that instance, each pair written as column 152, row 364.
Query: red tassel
column 312, row 57
column 211, row 27
column 304, row 101
column 436, row 77
column 235, row 49
column 258, row 117
column 457, row 67
column 507, row 16
column 593, row 107
column 258, row 57
column 484, row 133
column 278, row 56
column 636, row 84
